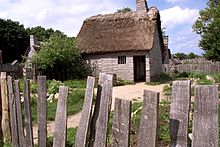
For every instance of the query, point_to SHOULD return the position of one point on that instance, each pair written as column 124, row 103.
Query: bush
column 60, row 59
column 216, row 76
column 182, row 75
column 198, row 75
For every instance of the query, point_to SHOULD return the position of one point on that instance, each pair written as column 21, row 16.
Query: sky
column 177, row 16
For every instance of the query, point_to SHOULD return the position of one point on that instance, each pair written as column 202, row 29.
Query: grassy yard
column 75, row 97
column 200, row 78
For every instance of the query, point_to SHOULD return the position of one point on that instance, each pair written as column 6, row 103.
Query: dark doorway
column 139, row 68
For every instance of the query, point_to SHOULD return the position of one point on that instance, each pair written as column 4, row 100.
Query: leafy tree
column 181, row 56
column 207, row 25
column 126, row 9
column 13, row 40
column 42, row 33
column 59, row 56
column 191, row 55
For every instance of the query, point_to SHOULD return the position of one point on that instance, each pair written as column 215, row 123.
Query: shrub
column 216, row 76
column 60, row 59
column 182, row 75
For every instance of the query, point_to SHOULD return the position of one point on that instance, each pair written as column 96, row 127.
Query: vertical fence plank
column 5, row 116
column 42, row 111
column 121, row 123
column 205, row 117
column 59, row 139
column 98, row 133
column 19, row 114
column 28, row 119
column 83, row 129
column 149, row 117
column 105, row 107
column 96, row 109
column 13, row 114
column 179, row 113
column 1, row 136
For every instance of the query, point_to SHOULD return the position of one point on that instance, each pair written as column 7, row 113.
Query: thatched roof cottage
column 128, row 44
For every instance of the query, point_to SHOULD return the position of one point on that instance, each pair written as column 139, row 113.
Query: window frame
column 121, row 59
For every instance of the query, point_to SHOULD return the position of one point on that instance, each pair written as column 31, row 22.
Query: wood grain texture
column 205, row 117
column 28, row 119
column 42, row 111
column 85, row 120
column 121, row 123
column 19, row 115
column 148, row 124
column 13, row 114
column 179, row 113
column 5, row 109
column 105, row 107
column 59, row 139
column 101, row 111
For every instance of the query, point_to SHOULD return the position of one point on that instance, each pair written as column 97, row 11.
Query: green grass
column 164, row 109
column 122, row 83
column 75, row 98
column 216, row 76
column 71, row 133
column 204, row 82
column 75, row 101
column 75, row 83
column 167, row 90
column 163, row 78
column 135, row 122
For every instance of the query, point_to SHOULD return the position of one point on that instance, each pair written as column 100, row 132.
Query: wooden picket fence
column 205, row 68
column 15, row 70
column 92, row 130
column 197, row 61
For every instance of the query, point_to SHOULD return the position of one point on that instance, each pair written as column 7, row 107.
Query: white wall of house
column 108, row 63
column 155, row 57
column 167, row 57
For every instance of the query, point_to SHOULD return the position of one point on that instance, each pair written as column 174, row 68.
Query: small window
column 121, row 59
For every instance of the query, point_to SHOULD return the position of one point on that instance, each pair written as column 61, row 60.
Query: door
column 139, row 68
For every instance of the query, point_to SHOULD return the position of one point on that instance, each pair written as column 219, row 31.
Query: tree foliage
column 59, row 56
column 183, row 56
column 208, row 26
column 126, row 9
column 13, row 40
column 42, row 33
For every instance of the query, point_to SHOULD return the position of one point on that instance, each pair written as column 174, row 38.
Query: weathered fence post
column 98, row 133
column 28, row 119
column 5, row 116
column 42, row 111
column 19, row 115
column 59, row 139
column 179, row 113
column 205, row 117
column 13, row 114
column 149, row 117
column 121, row 123
column 85, row 120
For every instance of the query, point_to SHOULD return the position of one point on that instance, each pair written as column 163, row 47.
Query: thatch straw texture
column 117, row 32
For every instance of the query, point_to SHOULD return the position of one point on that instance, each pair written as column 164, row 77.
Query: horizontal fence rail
column 205, row 68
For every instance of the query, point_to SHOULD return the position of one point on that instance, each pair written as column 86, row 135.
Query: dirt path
column 129, row 92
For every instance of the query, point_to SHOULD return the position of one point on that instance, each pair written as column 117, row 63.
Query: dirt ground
column 129, row 92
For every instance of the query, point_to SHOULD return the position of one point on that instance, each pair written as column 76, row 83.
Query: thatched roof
column 118, row 32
